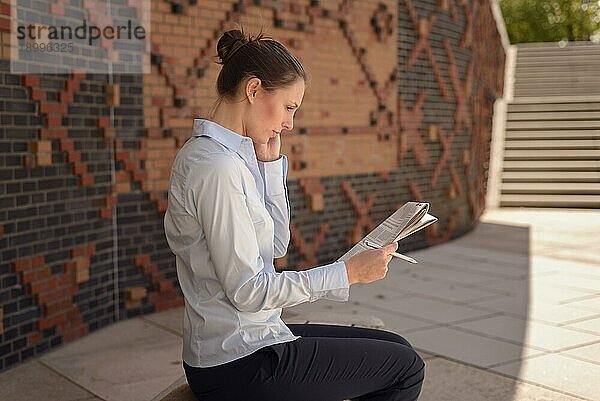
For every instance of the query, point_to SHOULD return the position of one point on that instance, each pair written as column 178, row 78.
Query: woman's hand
column 269, row 151
column 370, row 265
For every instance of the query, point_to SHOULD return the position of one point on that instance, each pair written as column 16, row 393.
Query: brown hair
column 261, row 56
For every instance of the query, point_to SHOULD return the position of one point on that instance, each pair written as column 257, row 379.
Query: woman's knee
column 394, row 337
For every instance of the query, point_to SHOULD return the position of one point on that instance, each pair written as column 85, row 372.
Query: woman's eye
column 289, row 108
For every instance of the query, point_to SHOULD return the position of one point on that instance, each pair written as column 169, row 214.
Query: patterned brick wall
column 399, row 109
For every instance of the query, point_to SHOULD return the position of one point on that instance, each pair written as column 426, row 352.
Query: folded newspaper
column 410, row 218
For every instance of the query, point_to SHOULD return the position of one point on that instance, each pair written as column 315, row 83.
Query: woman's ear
column 252, row 87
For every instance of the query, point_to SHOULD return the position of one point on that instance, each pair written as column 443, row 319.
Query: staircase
column 552, row 133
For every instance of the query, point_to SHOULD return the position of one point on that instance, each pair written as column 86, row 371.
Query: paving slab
column 473, row 349
column 130, row 360
column 590, row 326
column 35, row 381
column 450, row 381
column 171, row 319
column 557, row 371
column 589, row 353
column 435, row 311
column 533, row 334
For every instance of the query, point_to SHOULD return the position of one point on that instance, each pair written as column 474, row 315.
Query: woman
column 228, row 217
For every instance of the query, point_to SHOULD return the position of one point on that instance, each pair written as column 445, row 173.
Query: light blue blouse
column 228, row 217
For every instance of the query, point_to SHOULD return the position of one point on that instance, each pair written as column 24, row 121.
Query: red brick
column 110, row 200
column 105, row 213
column 87, row 180
column 82, row 263
column 31, row 80
column 165, row 286
column 103, row 122
column 48, row 107
column 79, row 168
column 122, row 176
column 140, row 176
column 37, row 261
column 38, row 94
column 67, row 145
column 50, row 296
column 53, row 120
column 21, row 265
column 57, row 9
column 65, row 97
column 34, row 338
column 72, row 86
column 5, row 9
column 73, row 156
column 123, row 155
column 142, row 260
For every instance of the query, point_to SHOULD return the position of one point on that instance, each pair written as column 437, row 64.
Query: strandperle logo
column 96, row 36
column 83, row 31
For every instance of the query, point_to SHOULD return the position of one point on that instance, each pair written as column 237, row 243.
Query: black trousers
column 328, row 363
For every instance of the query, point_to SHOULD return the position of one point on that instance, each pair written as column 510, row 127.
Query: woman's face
column 270, row 113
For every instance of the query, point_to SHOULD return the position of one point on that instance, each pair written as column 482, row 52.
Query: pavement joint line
column 160, row 326
column 584, row 331
column 58, row 372
column 401, row 314
column 516, row 379
column 463, row 269
column 474, row 319
column 582, row 319
column 521, row 359
column 569, row 348
column 501, row 339
column 581, row 358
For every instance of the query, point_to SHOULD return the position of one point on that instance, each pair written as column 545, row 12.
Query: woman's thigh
column 330, row 330
column 334, row 368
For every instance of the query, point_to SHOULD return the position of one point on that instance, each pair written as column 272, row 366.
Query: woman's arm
column 274, row 175
column 218, row 201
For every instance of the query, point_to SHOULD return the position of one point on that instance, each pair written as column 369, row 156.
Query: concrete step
column 557, row 134
column 551, row 176
column 588, row 144
column 551, row 165
column 536, row 200
column 556, row 99
column 581, row 188
column 570, row 61
column 543, row 125
column 553, row 115
column 556, row 91
column 551, row 154
column 542, row 48
column 548, row 77
column 547, row 107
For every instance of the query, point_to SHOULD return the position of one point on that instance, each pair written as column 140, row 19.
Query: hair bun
column 229, row 43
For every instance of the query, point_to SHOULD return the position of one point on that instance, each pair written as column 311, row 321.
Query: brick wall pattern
column 399, row 109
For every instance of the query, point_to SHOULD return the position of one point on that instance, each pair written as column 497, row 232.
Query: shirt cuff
column 274, row 174
column 330, row 282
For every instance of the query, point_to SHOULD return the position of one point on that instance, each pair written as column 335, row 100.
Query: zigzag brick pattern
column 399, row 108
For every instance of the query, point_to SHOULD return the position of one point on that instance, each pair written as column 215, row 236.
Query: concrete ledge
column 177, row 391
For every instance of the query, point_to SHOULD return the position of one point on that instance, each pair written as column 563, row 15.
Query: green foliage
column 550, row 20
